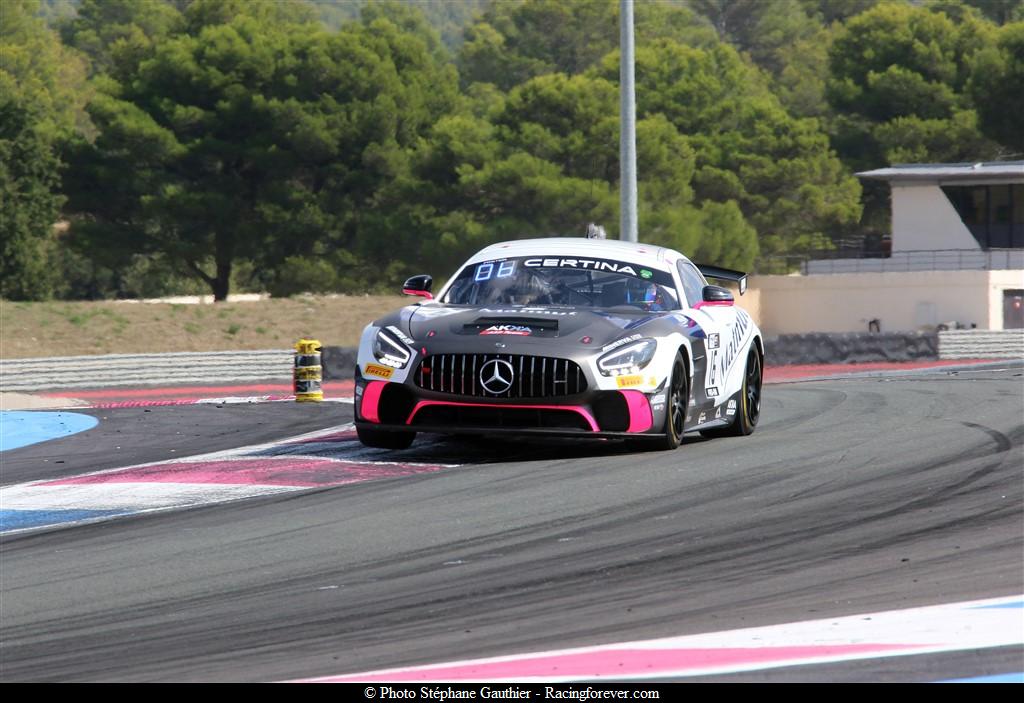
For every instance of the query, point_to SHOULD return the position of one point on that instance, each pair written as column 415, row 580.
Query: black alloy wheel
column 678, row 396
column 749, row 411
column 752, row 389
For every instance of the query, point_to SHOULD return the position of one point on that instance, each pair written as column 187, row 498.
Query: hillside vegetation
column 61, row 328
column 301, row 145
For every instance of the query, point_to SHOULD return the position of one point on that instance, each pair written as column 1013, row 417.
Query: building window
column 994, row 214
column 1000, row 227
column 1018, row 208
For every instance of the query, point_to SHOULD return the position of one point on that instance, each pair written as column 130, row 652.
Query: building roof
column 992, row 171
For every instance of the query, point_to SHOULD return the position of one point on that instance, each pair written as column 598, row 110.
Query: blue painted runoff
column 1016, row 605
column 21, row 519
column 997, row 678
column 20, row 428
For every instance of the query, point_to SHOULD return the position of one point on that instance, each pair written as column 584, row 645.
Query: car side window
column 693, row 282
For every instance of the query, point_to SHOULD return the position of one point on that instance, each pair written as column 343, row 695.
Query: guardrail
column 940, row 260
column 845, row 261
column 114, row 370
column 981, row 344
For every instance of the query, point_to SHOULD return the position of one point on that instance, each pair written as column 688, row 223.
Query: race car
column 565, row 337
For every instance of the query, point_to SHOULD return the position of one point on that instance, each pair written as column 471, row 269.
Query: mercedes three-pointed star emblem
column 496, row 376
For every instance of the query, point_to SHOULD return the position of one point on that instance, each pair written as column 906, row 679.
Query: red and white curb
column 231, row 394
column 973, row 625
column 229, row 400
column 326, row 458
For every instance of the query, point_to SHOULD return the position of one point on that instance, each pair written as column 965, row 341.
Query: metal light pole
column 627, row 121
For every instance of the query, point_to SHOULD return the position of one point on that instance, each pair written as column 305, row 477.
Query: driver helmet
column 641, row 292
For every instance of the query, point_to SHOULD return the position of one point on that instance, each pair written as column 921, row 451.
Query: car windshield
column 576, row 282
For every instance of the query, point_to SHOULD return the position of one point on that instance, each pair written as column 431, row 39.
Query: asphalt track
column 854, row 496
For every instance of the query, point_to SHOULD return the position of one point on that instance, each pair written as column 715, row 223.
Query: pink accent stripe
column 714, row 304
column 371, row 399
column 571, row 408
column 620, row 662
column 640, row 418
column 292, row 471
column 423, row 293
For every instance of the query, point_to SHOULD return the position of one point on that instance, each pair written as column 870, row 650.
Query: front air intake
column 518, row 376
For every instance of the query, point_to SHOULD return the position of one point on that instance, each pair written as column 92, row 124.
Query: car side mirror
column 419, row 285
column 716, row 295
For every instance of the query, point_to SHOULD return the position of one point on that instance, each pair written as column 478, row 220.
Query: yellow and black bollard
column 308, row 374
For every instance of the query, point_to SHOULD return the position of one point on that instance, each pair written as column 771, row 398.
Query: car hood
column 481, row 327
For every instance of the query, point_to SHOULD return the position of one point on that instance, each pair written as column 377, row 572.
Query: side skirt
column 713, row 416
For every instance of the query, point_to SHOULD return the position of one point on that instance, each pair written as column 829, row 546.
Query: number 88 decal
column 485, row 271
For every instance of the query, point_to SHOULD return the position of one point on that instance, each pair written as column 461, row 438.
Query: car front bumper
column 403, row 406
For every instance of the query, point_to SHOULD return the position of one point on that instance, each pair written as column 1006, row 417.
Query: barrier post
column 308, row 375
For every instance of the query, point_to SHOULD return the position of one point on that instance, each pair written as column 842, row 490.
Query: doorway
column 1013, row 309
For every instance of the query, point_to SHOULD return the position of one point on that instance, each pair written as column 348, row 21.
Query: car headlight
column 628, row 359
column 390, row 350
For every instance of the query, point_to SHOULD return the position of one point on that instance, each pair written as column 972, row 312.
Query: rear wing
column 725, row 275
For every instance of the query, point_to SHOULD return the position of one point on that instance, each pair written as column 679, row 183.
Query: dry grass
column 70, row 329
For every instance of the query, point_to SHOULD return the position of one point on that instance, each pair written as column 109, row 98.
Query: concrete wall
column 903, row 302
column 751, row 300
column 924, row 219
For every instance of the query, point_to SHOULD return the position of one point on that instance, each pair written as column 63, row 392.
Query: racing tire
column 678, row 397
column 383, row 439
column 749, row 411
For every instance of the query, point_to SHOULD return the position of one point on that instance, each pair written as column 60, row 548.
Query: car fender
column 652, row 377
column 371, row 369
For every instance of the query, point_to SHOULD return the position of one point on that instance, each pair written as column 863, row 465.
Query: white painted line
column 128, row 496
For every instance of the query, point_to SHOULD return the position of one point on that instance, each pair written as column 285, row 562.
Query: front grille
column 532, row 376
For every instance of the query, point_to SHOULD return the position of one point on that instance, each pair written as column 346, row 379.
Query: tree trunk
column 222, row 282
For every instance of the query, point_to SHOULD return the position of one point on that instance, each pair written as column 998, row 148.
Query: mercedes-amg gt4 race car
column 565, row 337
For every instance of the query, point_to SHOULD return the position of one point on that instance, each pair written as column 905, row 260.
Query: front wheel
column 383, row 439
column 675, row 412
column 749, row 411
